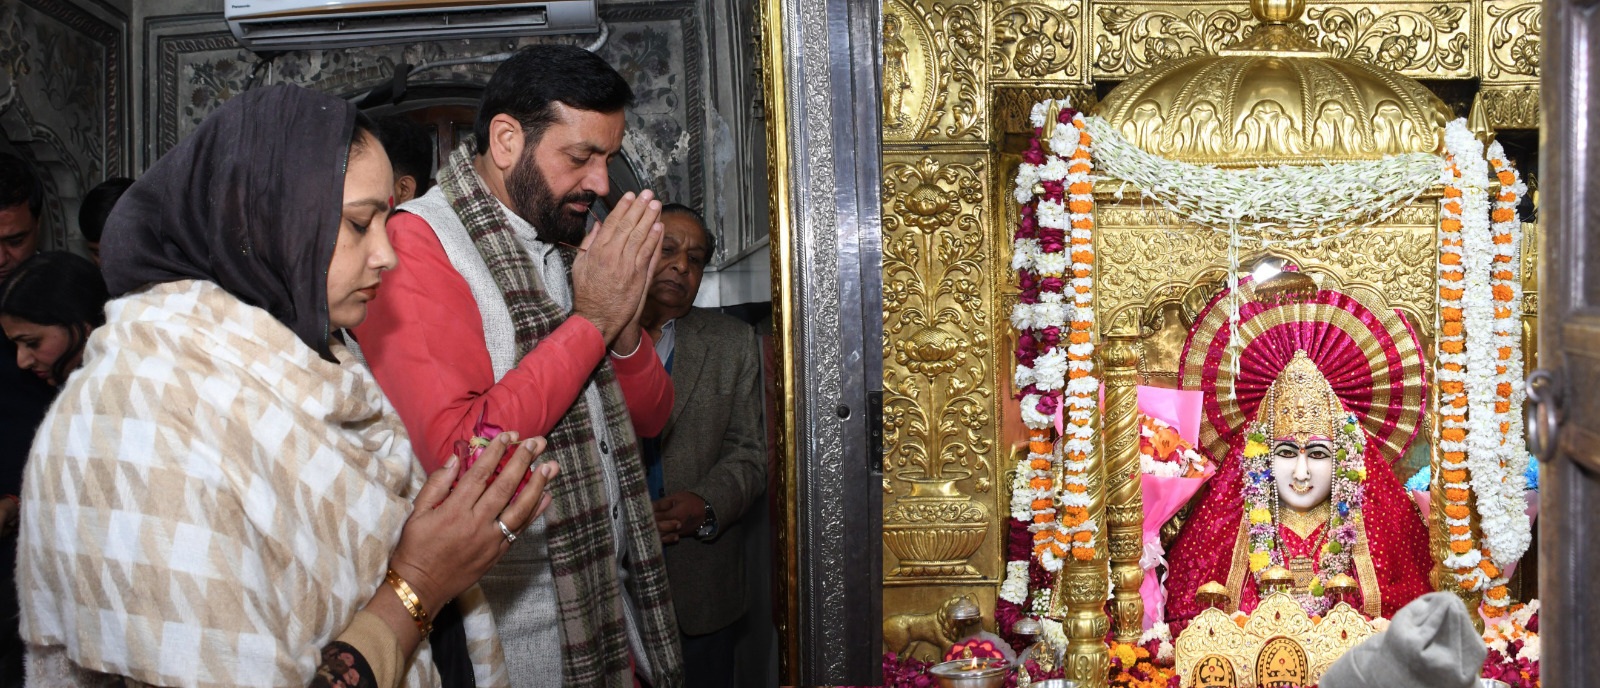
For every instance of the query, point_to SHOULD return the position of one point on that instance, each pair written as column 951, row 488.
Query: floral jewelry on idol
column 1301, row 404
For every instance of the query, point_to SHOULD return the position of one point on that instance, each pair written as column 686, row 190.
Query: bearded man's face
column 559, row 178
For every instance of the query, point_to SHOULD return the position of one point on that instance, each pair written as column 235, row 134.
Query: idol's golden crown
column 1301, row 403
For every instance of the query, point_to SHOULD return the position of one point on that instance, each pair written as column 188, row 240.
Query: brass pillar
column 1124, row 492
column 1081, row 587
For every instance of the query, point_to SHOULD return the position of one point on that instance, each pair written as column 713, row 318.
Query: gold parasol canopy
column 1275, row 98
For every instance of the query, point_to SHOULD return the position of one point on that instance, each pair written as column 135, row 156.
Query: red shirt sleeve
column 423, row 338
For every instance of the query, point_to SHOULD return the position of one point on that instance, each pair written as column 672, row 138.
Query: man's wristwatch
column 708, row 527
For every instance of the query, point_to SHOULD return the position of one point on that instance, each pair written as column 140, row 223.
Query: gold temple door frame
column 819, row 62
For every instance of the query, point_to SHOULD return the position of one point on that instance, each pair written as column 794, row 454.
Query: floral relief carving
column 1137, row 266
column 938, row 416
column 1036, row 40
column 1133, row 38
column 1512, row 39
column 1431, row 42
column 651, row 45
column 938, row 362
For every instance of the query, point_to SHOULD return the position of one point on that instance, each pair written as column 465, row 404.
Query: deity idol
column 1306, row 486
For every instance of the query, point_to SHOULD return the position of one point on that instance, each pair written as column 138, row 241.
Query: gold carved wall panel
column 1420, row 40
column 933, row 71
column 1148, row 258
column 1132, row 37
column 941, row 512
column 1039, row 41
column 1511, row 40
column 1511, row 52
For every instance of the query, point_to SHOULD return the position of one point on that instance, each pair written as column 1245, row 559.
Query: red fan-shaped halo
column 1368, row 353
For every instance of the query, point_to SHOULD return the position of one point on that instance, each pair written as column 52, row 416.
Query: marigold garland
column 1451, row 374
column 1508, row 532
column 1480, row 368
column 1082, row 388
column 1050, row 372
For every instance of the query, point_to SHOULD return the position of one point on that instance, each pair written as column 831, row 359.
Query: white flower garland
column 1083, row 388
column 1485, row 363
column 1015, row 587
column 1507, row 531
column 1284, row 204
column 1035, row 494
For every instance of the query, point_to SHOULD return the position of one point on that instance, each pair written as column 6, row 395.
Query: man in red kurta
column 505, row 309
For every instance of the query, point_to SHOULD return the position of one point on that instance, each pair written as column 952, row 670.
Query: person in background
column 522, row 317
column 96, row 207
column 709, row 464
column 410, row 151
column 21, row 201
column 48, row 306
column 222, row 495
column 23, row 396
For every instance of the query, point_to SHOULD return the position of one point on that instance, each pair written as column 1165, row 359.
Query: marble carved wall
column 63, row 100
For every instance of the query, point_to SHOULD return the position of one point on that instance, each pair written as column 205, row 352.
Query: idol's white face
column 1304, row 472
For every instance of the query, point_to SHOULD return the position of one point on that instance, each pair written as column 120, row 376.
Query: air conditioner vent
column 272, row 26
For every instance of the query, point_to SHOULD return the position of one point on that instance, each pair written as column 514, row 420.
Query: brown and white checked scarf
column 582, row 555
column 210, row 502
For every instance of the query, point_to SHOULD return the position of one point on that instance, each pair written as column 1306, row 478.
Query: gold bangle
column 408, row 597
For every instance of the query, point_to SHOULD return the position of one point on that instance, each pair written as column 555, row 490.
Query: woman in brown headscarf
column 222, row 495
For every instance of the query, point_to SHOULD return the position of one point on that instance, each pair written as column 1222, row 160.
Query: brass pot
column 934, row 531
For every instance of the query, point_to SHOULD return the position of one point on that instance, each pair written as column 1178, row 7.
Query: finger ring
column 510, row 536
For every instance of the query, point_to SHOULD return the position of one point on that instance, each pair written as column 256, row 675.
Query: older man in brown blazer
column 709, row 465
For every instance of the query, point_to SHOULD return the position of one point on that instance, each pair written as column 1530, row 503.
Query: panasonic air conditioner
column 322, row 24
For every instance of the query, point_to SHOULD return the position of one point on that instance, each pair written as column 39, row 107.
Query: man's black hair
column 527, row 84
column 409, row 147
column 97, row 205
column 19, row 184
column 681, row 209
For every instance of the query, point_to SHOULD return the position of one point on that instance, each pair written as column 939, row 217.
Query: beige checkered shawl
column 210, row 502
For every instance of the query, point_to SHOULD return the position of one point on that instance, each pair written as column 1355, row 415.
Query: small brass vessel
column 1213, row 595
column 1276, row 579
column 975, row 672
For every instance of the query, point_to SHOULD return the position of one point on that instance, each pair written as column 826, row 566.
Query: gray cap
column 1430, row 644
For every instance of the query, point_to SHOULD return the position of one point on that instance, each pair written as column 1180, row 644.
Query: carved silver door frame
column 827, row 262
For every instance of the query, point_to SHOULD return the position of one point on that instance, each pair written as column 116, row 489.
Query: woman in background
column 222, row 495
column 48, row 307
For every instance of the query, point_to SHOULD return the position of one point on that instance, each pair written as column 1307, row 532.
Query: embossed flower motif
column 1525, row 54
column 926, row 206
column 1162, row 49
column 931, row 351
column 895, row 294
column 1396, row 52
column 965, row 33
column 1034, row 55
